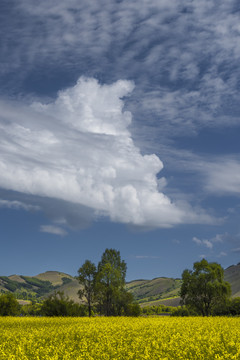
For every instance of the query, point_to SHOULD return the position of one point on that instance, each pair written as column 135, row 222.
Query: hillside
column 146, row 291
column 39, row 286
column 232, row 275
column 157, row 291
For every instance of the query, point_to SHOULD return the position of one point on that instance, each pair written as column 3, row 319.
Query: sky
column 119, row 128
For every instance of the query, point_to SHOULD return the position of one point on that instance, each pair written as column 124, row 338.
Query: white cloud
column 223, row 177
column 18, row 205
column 79, row 149
column 209, row 243
column 51, row 229
column 204, row 242
column 186, row 83
column 197, row 241
column 221, row 254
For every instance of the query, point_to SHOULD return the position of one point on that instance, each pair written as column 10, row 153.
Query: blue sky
column 119, row 127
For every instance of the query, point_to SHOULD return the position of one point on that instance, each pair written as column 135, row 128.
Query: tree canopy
column 58, row 304
column 87, row 278
column 105, row 287
column 204, row 287
column 8, row 305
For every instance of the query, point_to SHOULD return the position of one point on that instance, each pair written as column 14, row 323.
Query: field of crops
column 119, row 338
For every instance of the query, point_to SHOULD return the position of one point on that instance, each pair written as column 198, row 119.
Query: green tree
column 110, row 282
column 59, row 305
column 204, row 287
column 234, row 307
column 86, row 277
column 8, row 305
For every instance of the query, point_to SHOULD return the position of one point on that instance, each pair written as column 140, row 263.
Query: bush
column 8, row 305
column 59, row 305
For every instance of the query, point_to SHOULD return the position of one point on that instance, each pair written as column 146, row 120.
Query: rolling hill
column 157, row 291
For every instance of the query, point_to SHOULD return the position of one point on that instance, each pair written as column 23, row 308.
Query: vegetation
column 103, row 291
column 8, row 305
column 204, row 289
column 59, row 305
column 155, row 290
column 105, row 286
column 120, row 338
column 158, row 310
column 87, row 278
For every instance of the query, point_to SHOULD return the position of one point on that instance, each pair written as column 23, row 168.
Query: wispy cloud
column 222, row 254
column 204, row 242
column 18, row 205
column 209, row 243
column 223, row 177
column 183, row 56
column 52, row 229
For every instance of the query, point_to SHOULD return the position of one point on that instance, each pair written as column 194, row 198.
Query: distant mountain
column 158, row 291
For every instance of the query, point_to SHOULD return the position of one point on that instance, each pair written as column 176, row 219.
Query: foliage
column 87, row 278
column 120, row 338
column 104, row 286
column 230, row 308
column 8, row 305
column 234, row 306
column 110, row 282
column 32, row 309
column 183, row 311
column 157, row 310
column 59, row 305
column 204, row 288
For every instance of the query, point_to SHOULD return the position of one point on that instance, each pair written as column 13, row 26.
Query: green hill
column 154, row 291
column 157, row 291
column 40, row 286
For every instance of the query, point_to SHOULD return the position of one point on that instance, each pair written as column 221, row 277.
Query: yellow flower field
column 119, row 338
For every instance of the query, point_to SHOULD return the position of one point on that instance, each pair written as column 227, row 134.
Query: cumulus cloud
column 51, row 229
column 79, row 149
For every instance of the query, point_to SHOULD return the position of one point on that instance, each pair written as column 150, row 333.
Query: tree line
column 204, row 292
column 102, row 292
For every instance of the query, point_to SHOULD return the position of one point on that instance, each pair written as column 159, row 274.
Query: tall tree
column 110, row 281
column 87, row 278
column 204, row 287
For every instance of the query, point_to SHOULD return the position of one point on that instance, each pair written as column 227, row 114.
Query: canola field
column 119, row 338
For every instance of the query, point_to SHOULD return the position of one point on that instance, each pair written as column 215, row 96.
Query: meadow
column 119, row 338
